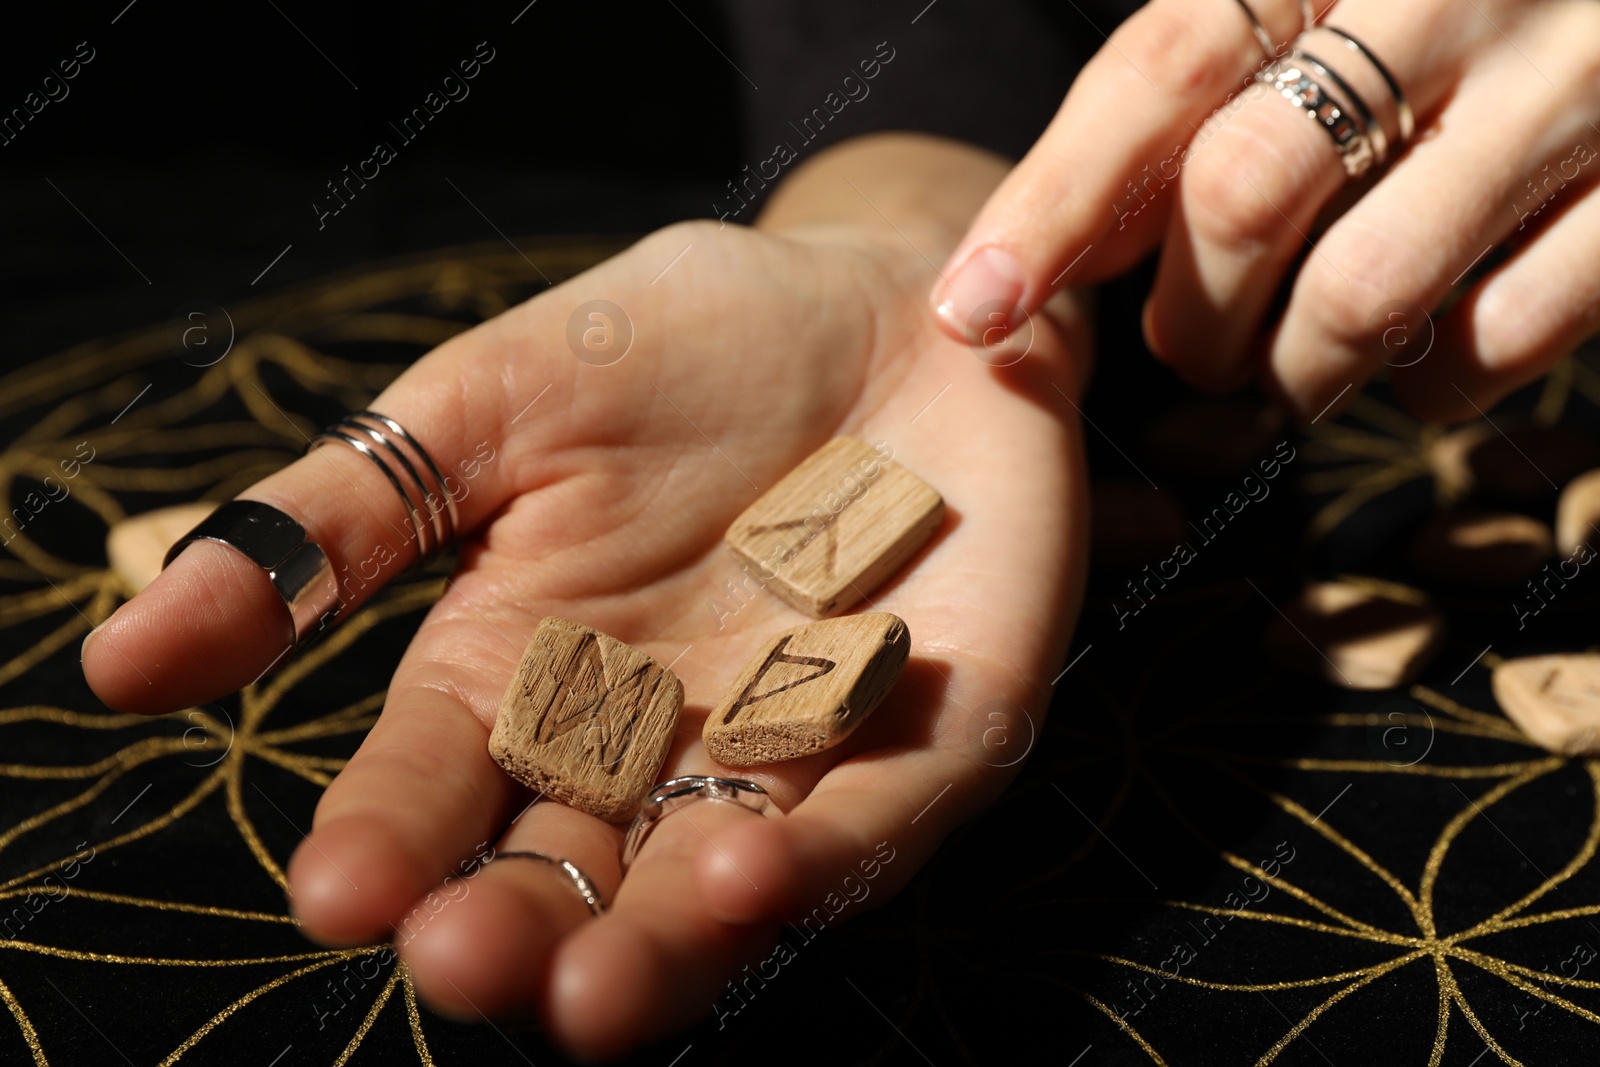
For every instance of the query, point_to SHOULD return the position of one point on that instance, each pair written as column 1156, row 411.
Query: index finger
column 1075, row 206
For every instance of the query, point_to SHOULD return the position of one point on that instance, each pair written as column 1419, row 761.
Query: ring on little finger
column 580, row 881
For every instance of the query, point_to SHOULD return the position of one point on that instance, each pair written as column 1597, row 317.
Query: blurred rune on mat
column 1489, row 548
column 836, row 527
column 1578, row 514
column 1357, row 634
column 807, row 689
column 1555, row 700
column 586, row 720
column 1510, row 460
column 136, row 546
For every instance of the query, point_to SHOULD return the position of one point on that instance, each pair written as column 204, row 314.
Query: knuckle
column 1178, row 55
column 1339, row 297
column 1230, row 196
column 1513, row 322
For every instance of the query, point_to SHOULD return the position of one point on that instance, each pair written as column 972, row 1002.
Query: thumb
column 212, row 621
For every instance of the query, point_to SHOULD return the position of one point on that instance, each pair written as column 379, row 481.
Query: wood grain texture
column 136, row 546
column 1555, row 700
column 587, row 720
column 836, row 527
column 807, row 689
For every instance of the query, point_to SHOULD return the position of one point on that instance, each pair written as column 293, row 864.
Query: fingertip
column 476, row 953
column 748, row 873
column 980, row 289
column 352, row 882
column 207, row 625
column 608, row 982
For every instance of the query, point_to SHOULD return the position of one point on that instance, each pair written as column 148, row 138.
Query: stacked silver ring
column 1320, row 92
column 430, row 507
column 1300, row 79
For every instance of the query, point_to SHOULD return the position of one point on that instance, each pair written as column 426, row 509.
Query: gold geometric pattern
column 220, row 428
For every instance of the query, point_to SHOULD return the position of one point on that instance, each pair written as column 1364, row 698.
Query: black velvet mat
column 1205, row 861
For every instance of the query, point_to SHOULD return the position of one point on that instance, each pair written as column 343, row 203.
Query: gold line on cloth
column 29, row 1035
column 76, row 719
column 157, row 905
column 415, row 1017
column 1362, row 931
column 1457, row 823
column 1441, row 1034
column 1578, row 862
column 177, row 811
column 1341, row 842
column 1353, row 499
column 1465, row 714
column 211, row 1024
column 57, row 952
column 1122, row 1023
column 371, row 1017
column 1254, row 987
column 1228, row 857
column 1516, row 975
column 1536, row 920
column 1448, row 979
column 18, row 607
column 1300, row 1027
column 247, row 829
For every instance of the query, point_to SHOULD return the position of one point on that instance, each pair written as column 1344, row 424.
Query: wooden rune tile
column 836, row 527
column 586, row 720
column 1359, row 635
column 1555, row 700
column 137, row 545
column 807, row 689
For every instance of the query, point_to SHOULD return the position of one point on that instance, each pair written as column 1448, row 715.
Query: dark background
column 198, row 137
column 195, row 143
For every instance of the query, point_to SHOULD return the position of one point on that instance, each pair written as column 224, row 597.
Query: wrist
column 899, row 186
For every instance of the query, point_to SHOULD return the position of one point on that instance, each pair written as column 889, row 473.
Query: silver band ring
column 1263, row 38
column 692, row 787
column 579, row 880
column 275, row 542
column 426, row 498
column 1358, row 106
column 1308, row 19
column 1404, row 116
column 1295, row 78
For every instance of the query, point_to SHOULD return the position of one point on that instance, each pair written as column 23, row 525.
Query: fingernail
column 86, row 637
column 983, row 292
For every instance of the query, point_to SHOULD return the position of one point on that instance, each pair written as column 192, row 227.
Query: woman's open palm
column 600, row 492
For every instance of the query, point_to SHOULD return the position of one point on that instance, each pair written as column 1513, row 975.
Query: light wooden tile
column 1578, row 515
column 136, row 546
column 1555, row 700
column 1485, row 548
column 587, row 720
column 836, row 527
column 807, row 689
column 1358, row 635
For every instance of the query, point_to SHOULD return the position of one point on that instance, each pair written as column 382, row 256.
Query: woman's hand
column 605, row 502
column 1507, row 151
